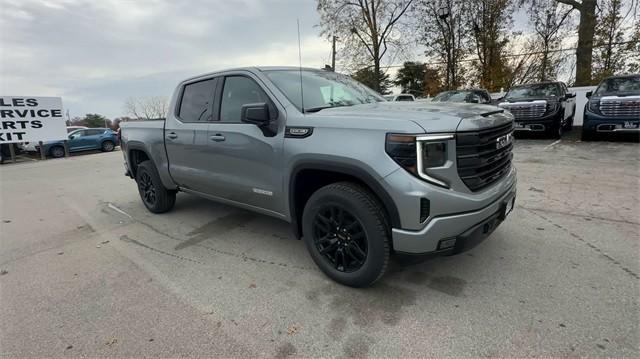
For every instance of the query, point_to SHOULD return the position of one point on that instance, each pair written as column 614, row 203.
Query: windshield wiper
column 316, row 109
column 330, row 105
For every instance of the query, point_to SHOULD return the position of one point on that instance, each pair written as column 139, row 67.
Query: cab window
column 237, row 92
column 197, row 98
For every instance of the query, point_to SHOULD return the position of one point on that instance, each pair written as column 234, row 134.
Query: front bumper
column 600, row 123
column 540, row 124
column 451, row 234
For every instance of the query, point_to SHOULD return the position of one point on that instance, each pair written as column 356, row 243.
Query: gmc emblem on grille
column 504, row 141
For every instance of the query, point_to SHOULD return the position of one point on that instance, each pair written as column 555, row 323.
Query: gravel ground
column 87, row 271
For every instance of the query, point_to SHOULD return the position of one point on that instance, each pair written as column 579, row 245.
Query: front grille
column 480, row 161
column 620, row 108
column 525, row 112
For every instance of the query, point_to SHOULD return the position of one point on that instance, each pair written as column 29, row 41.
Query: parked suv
column 614, row 107
column 546, row 107
column 103, row 139
column 358, row 177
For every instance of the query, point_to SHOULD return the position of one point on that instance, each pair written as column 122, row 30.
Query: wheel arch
column 307, row 177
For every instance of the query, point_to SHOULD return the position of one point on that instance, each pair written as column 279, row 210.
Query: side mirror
column 570, row 95
column 589, row 94
column 258, row 114
column 255, row 113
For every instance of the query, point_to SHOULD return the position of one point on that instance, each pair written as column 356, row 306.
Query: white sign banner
column 31, row 119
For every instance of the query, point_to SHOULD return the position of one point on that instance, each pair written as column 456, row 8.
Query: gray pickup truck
column 359, row 178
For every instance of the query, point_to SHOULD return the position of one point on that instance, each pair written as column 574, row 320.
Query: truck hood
column 431, row 116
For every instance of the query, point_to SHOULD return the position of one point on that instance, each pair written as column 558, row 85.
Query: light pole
column 443, row 13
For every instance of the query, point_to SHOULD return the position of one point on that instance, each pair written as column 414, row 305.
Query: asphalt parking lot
column 87, row 271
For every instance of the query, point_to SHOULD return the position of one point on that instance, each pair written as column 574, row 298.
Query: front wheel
column 57, row 151
column 154, row 195
column 347, row 234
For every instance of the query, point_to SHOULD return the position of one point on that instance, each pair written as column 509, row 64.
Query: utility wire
column 510, row 55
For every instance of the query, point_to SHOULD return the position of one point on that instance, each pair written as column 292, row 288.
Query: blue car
column 614, row 107
column 103, row 139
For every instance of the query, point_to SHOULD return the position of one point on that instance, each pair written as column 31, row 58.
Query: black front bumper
column 600, row 123
column 540, row 124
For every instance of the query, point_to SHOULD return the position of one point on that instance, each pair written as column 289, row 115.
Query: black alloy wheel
column 147, row 189
column 340, row 238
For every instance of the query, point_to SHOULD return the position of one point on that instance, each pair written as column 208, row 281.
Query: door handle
column 172, row 136
column 218, row 138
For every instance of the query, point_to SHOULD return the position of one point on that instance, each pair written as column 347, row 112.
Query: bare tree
column 364, row 27
column 488, row 21
column 609, row 56
column 147, row 108
column 586, row 32
column 549, row 19
column 443, row 32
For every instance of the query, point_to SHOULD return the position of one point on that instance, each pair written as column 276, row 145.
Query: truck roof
column 253, row 68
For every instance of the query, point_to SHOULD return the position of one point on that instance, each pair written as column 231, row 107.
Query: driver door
column 78, row 140
column 245, row 164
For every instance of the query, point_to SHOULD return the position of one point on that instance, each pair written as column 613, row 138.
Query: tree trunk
column 586, row 32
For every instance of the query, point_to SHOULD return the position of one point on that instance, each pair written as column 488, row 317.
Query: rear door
column 245, row 164
column 93, row 138
column 186, row 132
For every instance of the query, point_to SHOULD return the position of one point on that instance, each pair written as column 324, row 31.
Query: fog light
column 446, row 243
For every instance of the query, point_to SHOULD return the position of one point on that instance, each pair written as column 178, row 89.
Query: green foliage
column 95, row 120
column 418, row 79
column 367, row 76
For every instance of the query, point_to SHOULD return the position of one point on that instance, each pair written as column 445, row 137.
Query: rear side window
column 94, row 132
column 196, row 101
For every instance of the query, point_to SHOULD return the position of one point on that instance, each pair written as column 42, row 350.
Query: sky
column 96, row 54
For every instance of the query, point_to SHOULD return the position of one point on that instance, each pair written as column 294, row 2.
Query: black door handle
column 172, row 136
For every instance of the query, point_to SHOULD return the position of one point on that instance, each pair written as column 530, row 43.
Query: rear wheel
column 107, row 146
column 346, row 233
column 154, row 195
column 56, row 151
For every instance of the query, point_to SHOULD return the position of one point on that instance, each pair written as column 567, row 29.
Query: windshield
column 452, row 96
column 322, row 89
column 537, row 91
column 617, row 85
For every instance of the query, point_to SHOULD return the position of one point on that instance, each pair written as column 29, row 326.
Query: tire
column 569, row 125
column 587, row 135
column 56, row 151
column 348, row 222
column 557, row 130
column 107, row 146
column 154, row 195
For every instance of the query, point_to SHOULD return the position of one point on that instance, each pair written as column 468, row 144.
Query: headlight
column 419, row 153
column 552, row 107
column 594, row 106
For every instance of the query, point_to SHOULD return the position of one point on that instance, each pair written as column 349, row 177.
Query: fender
column 167, row 181
column 350, row 170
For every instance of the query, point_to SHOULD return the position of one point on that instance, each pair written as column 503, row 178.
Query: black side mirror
column 569, row 95
column 258, row 114
column 255, row 113
column 589, row 94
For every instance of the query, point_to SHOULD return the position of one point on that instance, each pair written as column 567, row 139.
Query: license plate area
column 630, row 124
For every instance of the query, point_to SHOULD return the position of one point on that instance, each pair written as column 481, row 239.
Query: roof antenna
column 300, row 67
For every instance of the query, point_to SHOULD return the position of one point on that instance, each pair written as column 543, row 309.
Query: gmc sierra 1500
column 358, row 177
